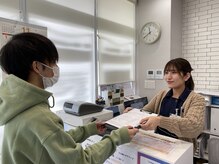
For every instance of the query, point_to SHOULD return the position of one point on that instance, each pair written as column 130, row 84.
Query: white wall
column 201, row 41
column 176, row 29
column 190, row 28
column 156, row 55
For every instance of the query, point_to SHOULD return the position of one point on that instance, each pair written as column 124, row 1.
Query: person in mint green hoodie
column 32, row 132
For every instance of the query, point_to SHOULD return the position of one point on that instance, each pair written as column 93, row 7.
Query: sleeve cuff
column 91, row 128
column 120, row 136
column 165, row 122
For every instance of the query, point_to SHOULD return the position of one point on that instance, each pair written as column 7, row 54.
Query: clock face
column 150, row 32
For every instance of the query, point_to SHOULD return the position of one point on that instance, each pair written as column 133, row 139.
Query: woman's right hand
column 126, row 110
column 132, row 131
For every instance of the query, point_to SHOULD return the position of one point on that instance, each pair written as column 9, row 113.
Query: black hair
column 182, row 66
column 18, row 54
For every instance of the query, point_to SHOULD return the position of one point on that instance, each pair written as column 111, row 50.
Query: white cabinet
column 211, row 123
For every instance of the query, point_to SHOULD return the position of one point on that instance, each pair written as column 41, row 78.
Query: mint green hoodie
column 34, row 134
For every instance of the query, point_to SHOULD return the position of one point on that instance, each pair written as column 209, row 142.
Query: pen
column 138, row 127
column 93, row 119
column 143, row 110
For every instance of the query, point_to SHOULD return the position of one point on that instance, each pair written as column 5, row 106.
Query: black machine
column 80, row 108
column 136, row 103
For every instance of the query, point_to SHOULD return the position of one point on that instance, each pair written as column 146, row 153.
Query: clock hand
column 147, row 34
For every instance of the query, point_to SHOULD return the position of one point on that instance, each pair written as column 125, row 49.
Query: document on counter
column 148, row 147
column 154, row 141
column 131, row 118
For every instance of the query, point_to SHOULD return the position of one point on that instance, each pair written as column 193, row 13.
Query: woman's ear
column 187, row 76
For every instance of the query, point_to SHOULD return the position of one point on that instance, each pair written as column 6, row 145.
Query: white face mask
column 50, row 81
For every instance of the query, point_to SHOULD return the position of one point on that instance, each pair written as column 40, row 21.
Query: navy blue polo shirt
column 169, row 106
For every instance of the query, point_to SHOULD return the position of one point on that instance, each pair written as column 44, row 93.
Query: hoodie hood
column 17, row 95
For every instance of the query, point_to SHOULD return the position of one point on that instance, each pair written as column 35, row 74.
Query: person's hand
column 132, row 131
column 150, row 123
column 101, row 128
column 126, row 110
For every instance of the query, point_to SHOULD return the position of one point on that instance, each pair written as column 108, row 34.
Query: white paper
column 131, row 118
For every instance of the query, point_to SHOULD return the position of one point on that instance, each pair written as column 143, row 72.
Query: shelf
column 213, row 106
column 211, row 133
column 205, row 156
column 211, row 124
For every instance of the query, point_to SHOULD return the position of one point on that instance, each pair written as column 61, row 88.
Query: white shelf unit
column 211, row 123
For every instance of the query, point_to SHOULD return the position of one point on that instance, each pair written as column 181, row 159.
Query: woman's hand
column 150, row 123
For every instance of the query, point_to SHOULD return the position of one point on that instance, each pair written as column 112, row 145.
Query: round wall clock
column 150, row 32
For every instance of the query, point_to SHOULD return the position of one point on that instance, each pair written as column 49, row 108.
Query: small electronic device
column 159, row 74
column 136, row 103
column 80, row 108
column 150, row 74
